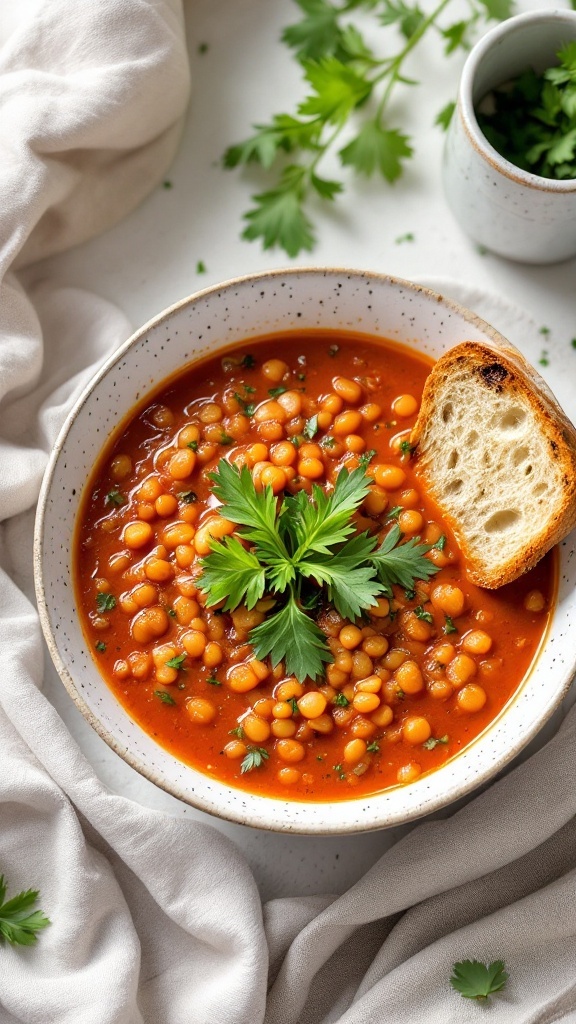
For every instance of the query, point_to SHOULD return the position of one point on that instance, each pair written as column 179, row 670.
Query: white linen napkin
column 157, row 919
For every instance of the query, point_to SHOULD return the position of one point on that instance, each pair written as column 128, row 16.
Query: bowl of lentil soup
column 246, row 591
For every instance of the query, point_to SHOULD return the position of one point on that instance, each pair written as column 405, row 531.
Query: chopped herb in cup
column 531, row 121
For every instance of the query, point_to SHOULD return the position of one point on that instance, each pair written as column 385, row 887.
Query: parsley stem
column 392, row 66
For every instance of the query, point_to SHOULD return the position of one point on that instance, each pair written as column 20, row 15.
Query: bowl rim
column 238, row 814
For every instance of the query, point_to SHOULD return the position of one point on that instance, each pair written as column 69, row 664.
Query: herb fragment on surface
column 248, row 408
column 449, row 626
column 167, row 184
column 406, row 449
column 299, row 542
column 311, row 427
column 213, row 681
column 19, row 924
column 274, row 392
column 433, row 742
column 350, row 89
column 424, row 615
column 408, row 237
column 544, row 360
column 573, row 342
column 254, row 759
column 248, row 362
column 475, row 980
column 193, row 445
column 373, row 747
column 101, row 646
column 238, row 731
column 532, row 120
column 203, row 48
column 105, row 602
column 115, row 497
column 165, row 697
column 366, row 457
column 440, row 543
column 188, row 497
column 340, row 700
column 200, row 267
column 340, row 771
column 176, row 662
column 294, row 705
column 171, row 613
column 444, row 116
column 394, row 512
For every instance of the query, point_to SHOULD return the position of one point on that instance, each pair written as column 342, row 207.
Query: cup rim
column 466, row 106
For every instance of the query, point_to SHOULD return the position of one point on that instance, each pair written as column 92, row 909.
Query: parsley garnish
column 188, row 497
column 311, row 427
column 176, row 662
column 294, row 705
column 328, row 442
column 339, row 771
column 533, row 124
column 373, row 747
column 248, row 362
column 475, row 980
column 18, row 926
column 274, row 392
column 213, row 681
column 114, row 498
column 351, row 88
column 248, row 408
column 165, row 697
column 406, row 450
column 440, row 543
column 303, row 538
column 171, row 613
column 105, row 602
column 432, row 742
column 254, row 759
column 238, row 731
column 193, row 445
column 101, row 646
column 449, row 626
column 425, row 616
column 394, row 512
column 367, row 457
column 408, row 237
column 340, row 700
column 225, row 438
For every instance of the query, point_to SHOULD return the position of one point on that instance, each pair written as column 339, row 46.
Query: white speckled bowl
column 218, row 317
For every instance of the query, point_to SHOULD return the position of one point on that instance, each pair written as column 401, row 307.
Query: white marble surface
column 149, row 261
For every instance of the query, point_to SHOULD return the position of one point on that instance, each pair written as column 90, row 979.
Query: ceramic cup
column 510, row 211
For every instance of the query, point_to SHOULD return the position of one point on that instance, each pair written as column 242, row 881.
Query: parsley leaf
column 292, row 637
column 188, row 497
column 176, row 662
column 423, row 615
column 475, row 980
column 18, row 926
column 165, row 697
column 115, row 497
column 402, row 564
column 254, row 759
column 105, row 602
column 449, row 626
column 340, row 700
column 377, row 148
column 101, row 646
column 311, row 427
column 432, row 742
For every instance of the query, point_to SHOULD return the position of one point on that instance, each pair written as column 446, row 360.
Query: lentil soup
column 409, row 683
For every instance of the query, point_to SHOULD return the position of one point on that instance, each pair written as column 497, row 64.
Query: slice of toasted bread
column 498, row 455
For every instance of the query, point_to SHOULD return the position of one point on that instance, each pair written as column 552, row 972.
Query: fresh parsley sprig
column 283, row 545
column 349, row 86
column 533, row 124
column 19, row 924
column 475, row 980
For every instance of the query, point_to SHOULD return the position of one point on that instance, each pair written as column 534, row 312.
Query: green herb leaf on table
column 349, row 87
column 19, row 924
column 475, row 980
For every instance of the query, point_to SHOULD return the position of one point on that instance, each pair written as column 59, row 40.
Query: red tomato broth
column 385, row 370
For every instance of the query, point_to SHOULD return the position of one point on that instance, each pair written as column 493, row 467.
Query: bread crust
column 500, row 370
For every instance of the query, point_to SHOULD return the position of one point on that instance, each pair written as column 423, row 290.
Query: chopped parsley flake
column 165, row 697
column 105, row 602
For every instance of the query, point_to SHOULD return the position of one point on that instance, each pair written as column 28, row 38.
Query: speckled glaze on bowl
column 511, row 211
column 206, row 322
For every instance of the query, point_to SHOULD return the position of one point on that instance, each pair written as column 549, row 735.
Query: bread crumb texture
column 498, row 456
